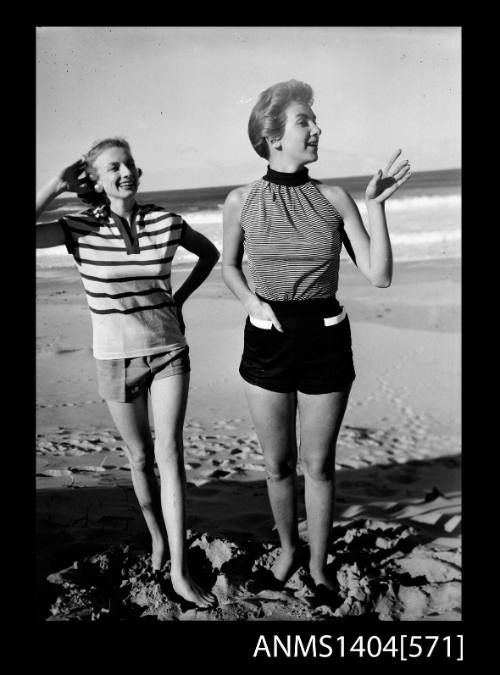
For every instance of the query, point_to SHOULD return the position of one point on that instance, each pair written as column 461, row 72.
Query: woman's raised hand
column 74, row 178
column 385, row 183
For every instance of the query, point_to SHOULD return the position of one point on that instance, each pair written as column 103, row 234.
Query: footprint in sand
column 197, row 482
column 88, row 469
column 224, row 425
column 219, row 473
column 253, row 467
column 238, row 469
column 350, row 463
column 54, row 473
column 201, row 453
column 60, row 350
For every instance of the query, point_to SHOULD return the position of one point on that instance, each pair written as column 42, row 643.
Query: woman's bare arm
column 371, row 252
column 232, row 257
column 208, row 255
column 71, row 179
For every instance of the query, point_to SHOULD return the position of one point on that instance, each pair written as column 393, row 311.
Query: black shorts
column 313, row 355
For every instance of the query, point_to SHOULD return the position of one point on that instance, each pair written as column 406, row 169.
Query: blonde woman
column 124, row 252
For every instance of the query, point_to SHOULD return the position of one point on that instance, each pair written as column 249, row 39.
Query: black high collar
column 300, row 177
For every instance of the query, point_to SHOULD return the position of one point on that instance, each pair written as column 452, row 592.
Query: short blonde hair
column 100, row 146
column 90, row 196
column 268, row 116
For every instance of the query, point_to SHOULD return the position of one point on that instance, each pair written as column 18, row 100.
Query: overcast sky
column 182, row 96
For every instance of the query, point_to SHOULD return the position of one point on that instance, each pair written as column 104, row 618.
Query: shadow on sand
column 381, row 509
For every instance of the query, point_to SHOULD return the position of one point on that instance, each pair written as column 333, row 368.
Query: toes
column 198, row 597
column 209, row 599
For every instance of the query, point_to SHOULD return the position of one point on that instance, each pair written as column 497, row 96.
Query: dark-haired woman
column 297, row 356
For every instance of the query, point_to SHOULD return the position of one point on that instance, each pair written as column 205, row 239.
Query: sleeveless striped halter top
column 292, row 237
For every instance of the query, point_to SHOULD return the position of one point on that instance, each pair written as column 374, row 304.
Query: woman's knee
column 169, row 451
column 141, row 460
column 319, row 469
column 280, row 469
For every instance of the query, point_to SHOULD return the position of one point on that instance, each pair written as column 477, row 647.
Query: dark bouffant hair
column 268, row 116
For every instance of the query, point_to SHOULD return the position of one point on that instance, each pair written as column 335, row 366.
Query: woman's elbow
column 211, row 256
column 381, row 283
column 228, row 271
column 381, row 278
column 215, row 255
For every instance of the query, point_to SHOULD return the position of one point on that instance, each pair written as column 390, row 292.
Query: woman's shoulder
column 331, row 192
column 240, row 193
column 149, row 207
column 237, row 197
column 154, row 213
column 86, row 215
column 335, row 194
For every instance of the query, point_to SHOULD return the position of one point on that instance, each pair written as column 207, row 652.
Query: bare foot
column 184, row 586
column 320, row 578
column 286, row 564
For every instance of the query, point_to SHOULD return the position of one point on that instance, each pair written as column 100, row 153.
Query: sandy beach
column 396, row 544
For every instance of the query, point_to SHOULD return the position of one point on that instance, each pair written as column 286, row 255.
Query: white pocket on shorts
column 332, row 320
column 261, row 323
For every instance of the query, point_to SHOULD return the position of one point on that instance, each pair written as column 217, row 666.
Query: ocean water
column 424, row 216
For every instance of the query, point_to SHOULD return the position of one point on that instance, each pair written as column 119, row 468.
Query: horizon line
column 235, row 185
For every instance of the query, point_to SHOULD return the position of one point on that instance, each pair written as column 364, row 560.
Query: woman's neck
column 285, row 165
column 292, row 179
column 123, row 207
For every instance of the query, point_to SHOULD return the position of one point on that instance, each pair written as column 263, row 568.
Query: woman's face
column 117, row 173
column 301, row 136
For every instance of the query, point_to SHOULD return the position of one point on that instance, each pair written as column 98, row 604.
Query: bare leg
column 131, row 420
column 273, row 415
column 320, row 419
column 168, row 400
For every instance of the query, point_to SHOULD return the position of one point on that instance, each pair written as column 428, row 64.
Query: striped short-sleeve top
column 292, row 237
column 125, row 270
